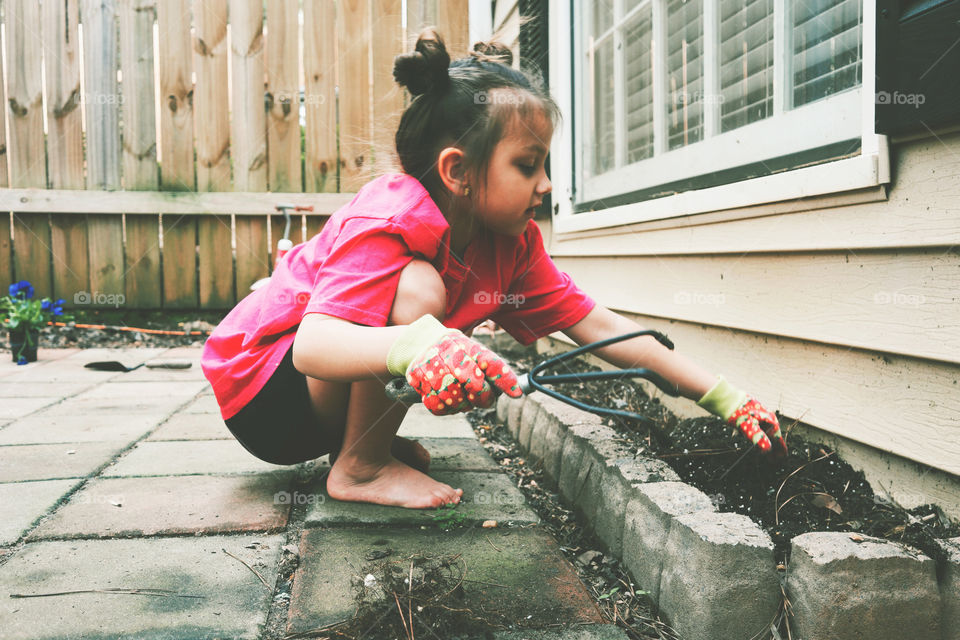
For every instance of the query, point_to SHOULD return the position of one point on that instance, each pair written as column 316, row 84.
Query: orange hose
column 151, row 331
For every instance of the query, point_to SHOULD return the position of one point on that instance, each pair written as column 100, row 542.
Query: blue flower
column 57, row 311
column 46, row 305
column 23, row 287
column 21, row 360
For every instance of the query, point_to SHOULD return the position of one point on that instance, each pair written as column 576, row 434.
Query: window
column 672, row 96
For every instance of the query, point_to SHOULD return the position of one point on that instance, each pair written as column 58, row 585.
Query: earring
column 466, row 191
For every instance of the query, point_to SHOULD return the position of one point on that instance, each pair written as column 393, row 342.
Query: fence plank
column 105, row 239
column 179, row 262
column 6, row 251
column 25, row 99
column 211, row 99
column 176, row 96
column 355, row 96
column 315, row 225
column 283, row 82
column 253, row 254
column 248, row 126
column 139, row 114
column 420, row 14
column 102, row 100
column 71, row 269
column 215, row 258
column 453, row 23
column 31, row 249
column 387, row 95
column 4, row 175
column 320, row 69
column 142, row 262
column 61, row 51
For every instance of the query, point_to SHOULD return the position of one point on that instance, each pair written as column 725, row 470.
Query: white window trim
column 869, row 169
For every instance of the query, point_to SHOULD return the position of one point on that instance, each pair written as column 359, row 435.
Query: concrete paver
column 192, row 426
column 452, row 454
column 24, row 502
column 171, row 505
column 420, row 423
column 517, row 575
column 44, row 427
column 56, row 390
column 54, row 461
column 486, row 496
column 131, row 397
column 12, row 408
column 189, row 457
column 230, row 601
column 203, row 404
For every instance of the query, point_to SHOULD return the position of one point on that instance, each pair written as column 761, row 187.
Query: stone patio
column 127, row 490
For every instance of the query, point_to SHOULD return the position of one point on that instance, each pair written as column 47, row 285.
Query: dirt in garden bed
column 812, row 489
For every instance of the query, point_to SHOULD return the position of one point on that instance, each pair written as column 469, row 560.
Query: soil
column 811, row 489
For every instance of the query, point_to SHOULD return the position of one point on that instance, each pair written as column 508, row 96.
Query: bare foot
column 394, row 484
column 409, row 452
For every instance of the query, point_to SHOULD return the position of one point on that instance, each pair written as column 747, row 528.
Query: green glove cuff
column 418, row 336
column 723, row 399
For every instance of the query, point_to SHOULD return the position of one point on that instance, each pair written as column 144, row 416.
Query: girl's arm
column 644, row 351
column 330, row 348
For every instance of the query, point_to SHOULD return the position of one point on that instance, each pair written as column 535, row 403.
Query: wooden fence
column 127, row 122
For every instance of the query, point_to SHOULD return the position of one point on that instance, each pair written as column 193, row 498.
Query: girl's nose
column 544, row 186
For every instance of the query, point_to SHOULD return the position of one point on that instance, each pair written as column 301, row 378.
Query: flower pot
column 23, row 344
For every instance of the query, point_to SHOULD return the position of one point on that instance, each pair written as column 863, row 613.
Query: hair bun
column 426, row 69
column 492, row 52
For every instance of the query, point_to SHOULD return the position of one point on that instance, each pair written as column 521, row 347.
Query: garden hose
column 164, row 332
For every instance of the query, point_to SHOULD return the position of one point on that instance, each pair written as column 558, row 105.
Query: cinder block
column 514, row 408
column 950, row 590
column 851, row 586
column 573, row 469
column 584, row 480
column 503, row 404
column 550, row 430
column 647, row 520
column 719, row 578
column 528, row 415
column 617, row 486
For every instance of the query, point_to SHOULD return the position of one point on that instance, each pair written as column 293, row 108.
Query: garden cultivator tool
column 536, row 378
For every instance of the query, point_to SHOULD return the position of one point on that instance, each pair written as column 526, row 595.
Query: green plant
column 608, row 594
column 447, row 517
column 23, row 312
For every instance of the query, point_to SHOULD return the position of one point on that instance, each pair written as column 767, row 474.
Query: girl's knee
column 420, row 291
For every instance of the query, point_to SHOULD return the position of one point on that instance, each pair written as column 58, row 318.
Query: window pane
column 638, row 68
column 684, row 72
column 826, row 48
column 603, row 125
column 602, row 16
column 746, row 62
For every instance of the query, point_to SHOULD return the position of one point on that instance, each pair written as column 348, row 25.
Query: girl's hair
column 468, row 103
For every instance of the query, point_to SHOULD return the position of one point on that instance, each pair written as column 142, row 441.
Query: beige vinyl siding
column 846, row 317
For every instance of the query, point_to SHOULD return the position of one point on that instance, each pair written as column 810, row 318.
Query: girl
column 299, row 366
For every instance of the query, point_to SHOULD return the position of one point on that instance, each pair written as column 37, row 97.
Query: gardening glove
column 449, row 370
column 759, row 425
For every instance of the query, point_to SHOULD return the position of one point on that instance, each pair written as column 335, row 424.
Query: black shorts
column 278, row 425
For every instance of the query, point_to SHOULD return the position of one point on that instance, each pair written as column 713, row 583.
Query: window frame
column 609, row 204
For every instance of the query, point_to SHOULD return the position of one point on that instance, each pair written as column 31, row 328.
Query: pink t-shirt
column 351, row 268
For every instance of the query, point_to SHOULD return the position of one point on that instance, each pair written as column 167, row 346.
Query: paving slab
column 57, row 390
column 131, row 397
column 486, row 496
column 12, row 408
column 420, row 423
column 44, row 427
column 115, row 507
column 203, row 404
column 232, row 601
column 453, row 454
column 192, row 426
column 55, row 461
column 519, row 577
column 24, row 503
column 180, row 457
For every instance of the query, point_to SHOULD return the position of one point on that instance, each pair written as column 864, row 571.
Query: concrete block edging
column 713, row 574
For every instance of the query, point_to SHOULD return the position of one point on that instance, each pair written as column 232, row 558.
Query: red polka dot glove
column 759, row 425
column 449, row 370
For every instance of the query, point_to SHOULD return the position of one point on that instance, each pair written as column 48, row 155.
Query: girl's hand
column 758, row 424
column 449, row 370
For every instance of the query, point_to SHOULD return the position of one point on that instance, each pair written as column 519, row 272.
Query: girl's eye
column 527, row 169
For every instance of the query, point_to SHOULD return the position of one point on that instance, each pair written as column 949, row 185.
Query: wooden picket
column 141, row 137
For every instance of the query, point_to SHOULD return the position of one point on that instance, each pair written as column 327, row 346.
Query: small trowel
column 113, row 365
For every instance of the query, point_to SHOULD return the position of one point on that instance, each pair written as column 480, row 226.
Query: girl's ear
column 452, row 170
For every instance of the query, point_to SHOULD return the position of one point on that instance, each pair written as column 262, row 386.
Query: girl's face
column 516, row 179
